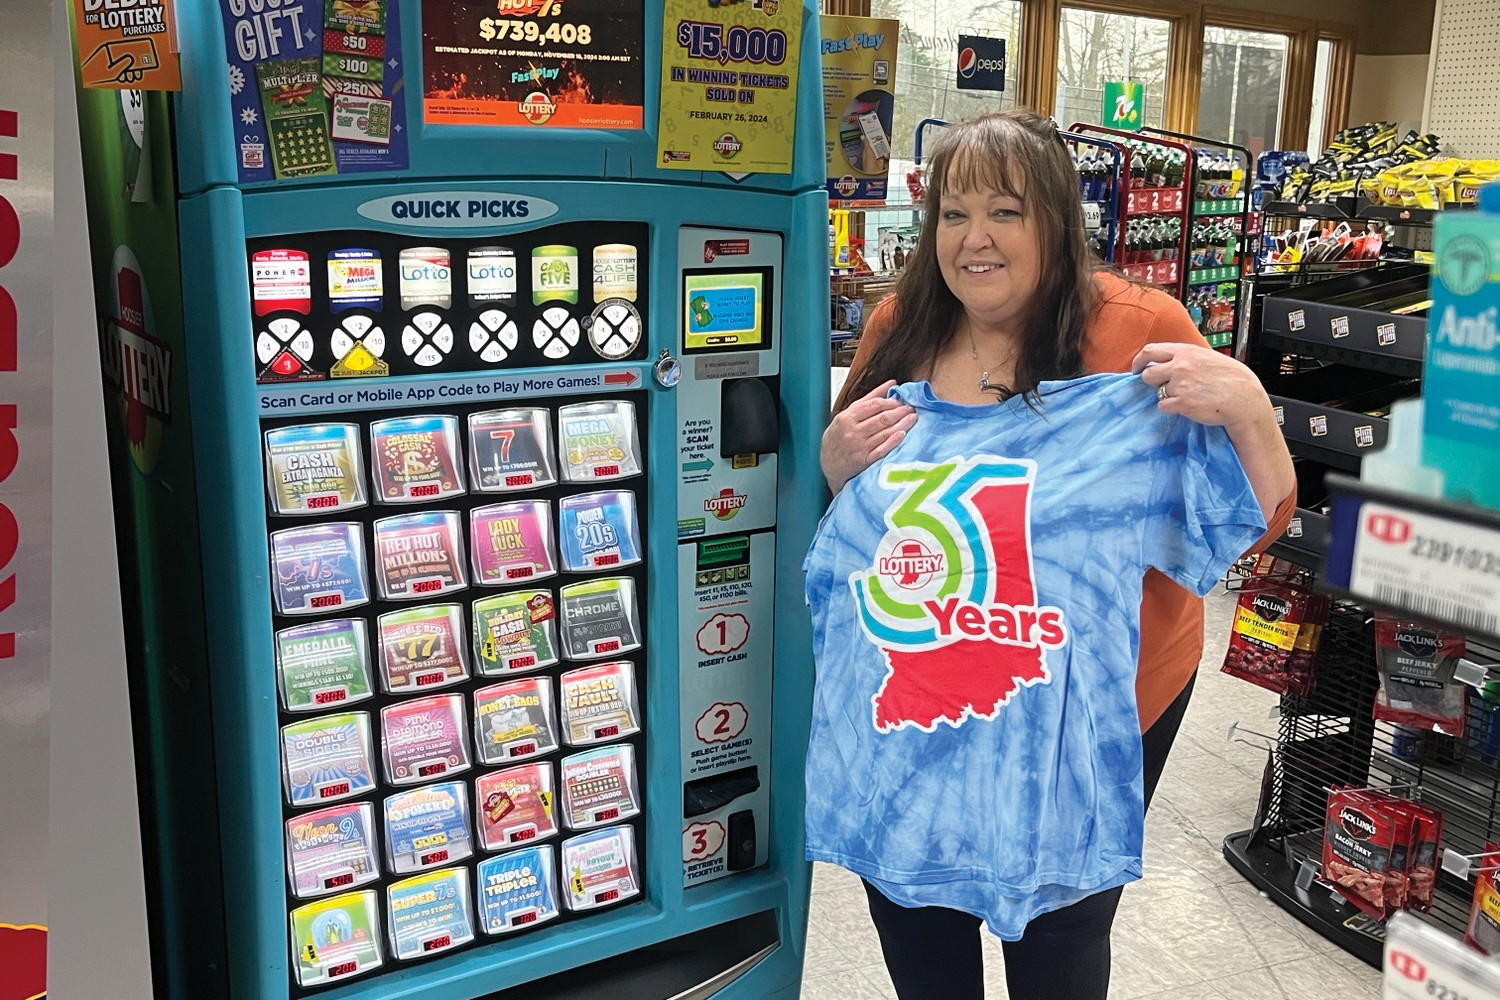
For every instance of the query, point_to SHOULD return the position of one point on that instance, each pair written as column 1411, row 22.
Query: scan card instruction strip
column 474, row 387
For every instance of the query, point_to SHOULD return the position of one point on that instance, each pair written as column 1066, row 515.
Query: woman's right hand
column 866, row 431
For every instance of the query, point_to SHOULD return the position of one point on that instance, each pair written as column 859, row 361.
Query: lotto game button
column 426, row 280
column 336, row 939
column 517, row 890
column 323, row 665
column 419, row 555
column 599, row 619
column 511, row 543
column 331, row 849
column 424, row 738
column 327, row 759
column 514, row 721
column 515, row 632
column 314, row 468
column 556, row 333
column 416, row 459
column 598, row 531
column 598, row 703
column 515, row 806
column 492, row 276
column 319, row 567
column 423, row 648
column 598, row 787
column 510, row 450
column 598, row 441
column 427, row 826
column 493, row 336
column 430, row 913
column 599, row 868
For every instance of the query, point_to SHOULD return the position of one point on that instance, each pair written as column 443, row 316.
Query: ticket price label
column 514, row 720
column 331, row 849
column 322, row 665
column 430, row 913
column 516, row 806
column 517, row 890
column 327, row 759
column 427, row 826
column 599, row 703
column 424, row 739
column 423, row 648
column 336, row 938
column 515, row 632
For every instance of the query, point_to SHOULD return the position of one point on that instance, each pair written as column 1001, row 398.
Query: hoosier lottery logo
column 951, row 599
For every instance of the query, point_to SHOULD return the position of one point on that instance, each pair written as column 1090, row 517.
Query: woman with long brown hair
column 1003, row 318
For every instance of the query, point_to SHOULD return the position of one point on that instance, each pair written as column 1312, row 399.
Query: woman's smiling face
column 989, row 252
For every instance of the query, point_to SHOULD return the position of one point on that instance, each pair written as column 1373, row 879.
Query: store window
column 927, row 65
column 1322, row 81
column 1095, row 48
column 1243, row 77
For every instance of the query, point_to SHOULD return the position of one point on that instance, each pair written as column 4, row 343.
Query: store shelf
column 1419, row 556
column 1269, row 868
column 1305, row 541
column 1323, row 415
column 1309, row 209
column 1331, row 315
column 1214, row 275
column 1205, row 207
column 1361, row 209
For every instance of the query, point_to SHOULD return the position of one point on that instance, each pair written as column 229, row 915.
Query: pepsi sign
column 981, row 63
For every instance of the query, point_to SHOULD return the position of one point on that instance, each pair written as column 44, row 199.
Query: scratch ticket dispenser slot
column 729, row 418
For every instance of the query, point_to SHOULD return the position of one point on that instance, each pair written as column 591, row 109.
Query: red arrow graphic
column 621, row 378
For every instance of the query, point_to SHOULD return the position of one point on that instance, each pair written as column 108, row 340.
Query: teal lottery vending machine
column 465, row 456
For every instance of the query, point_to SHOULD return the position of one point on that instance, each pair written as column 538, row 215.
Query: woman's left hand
column 1203, row 385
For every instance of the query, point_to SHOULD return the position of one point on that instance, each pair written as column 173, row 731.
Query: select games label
column 427, row 827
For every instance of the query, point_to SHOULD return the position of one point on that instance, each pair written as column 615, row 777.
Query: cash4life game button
column 615, row 329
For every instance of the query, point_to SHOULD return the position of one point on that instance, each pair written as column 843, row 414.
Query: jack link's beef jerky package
column 1357, row 846
column 1421, row 874
column 1417, row 687
column 1483, row 932
column 1264, row 637
column 1299, row 666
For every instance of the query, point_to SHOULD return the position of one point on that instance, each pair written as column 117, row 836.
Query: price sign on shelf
column 1434, row 567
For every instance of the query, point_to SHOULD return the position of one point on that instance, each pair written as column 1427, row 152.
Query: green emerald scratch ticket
column 296, row 110
column 323, row 664
column 336, row 938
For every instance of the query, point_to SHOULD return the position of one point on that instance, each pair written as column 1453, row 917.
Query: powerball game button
column 285, row 329
column 303, row 345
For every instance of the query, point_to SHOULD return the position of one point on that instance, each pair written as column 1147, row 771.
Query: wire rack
column 1330, row 738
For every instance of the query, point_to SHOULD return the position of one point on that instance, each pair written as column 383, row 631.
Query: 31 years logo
column 951, row 599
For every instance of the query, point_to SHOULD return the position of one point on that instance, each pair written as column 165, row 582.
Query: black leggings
column 934, row 953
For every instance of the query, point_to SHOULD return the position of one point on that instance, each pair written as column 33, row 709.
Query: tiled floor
column 1192, row 929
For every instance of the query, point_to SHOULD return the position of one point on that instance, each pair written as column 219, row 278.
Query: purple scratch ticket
column 320, row 567
column 331, row 849
column 512, row 543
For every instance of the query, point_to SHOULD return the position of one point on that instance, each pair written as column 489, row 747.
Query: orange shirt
column 1128, row 318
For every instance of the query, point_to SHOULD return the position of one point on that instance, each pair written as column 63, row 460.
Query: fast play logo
column 951, row 599
column 135, row 363
column 727, row 504
column 537, row 108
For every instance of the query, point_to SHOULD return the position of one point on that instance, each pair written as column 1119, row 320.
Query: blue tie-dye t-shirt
column 976, row 618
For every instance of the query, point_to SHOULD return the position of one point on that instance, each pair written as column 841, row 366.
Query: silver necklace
column 984, row 377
